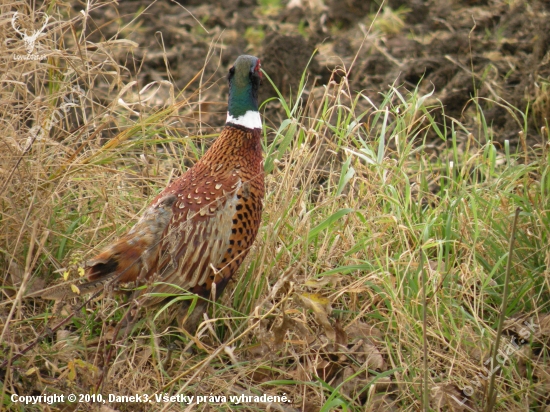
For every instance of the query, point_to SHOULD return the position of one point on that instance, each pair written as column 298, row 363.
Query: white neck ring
column 251, row 120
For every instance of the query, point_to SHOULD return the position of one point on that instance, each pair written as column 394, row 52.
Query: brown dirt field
column 494, row 51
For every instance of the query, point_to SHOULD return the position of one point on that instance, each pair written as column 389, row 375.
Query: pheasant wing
column 198, row 236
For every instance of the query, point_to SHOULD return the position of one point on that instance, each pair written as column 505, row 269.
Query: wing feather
column 197, row 239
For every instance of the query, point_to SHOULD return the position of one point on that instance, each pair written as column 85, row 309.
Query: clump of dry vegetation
column 379, row 274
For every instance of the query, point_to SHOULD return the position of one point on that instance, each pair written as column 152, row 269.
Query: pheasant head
column 244, row 78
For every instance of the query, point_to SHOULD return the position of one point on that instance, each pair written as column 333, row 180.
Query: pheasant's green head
column 244, row 80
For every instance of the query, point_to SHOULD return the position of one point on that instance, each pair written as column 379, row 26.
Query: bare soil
column 489, row 53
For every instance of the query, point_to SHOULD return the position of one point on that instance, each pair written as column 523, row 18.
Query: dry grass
column 362, row 204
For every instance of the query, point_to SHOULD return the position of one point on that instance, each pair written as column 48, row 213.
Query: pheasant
column 198, row 230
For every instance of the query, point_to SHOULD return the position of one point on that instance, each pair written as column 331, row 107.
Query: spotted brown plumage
column 214, row 216
column 222, row 195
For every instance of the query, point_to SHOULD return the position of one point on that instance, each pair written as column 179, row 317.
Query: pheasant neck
column 243, row 106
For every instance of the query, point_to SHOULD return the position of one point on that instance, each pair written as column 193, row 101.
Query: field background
column 405, row 233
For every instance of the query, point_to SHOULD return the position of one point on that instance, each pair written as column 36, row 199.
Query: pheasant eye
column 258, row 67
